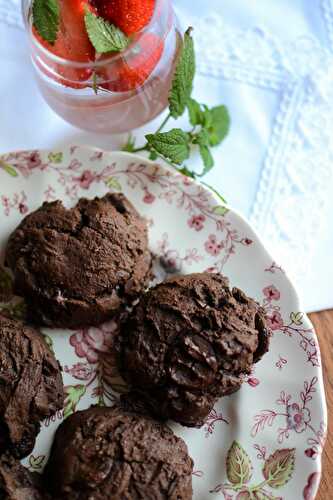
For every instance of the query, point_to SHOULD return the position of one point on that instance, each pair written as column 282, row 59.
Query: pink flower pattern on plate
column 196, row 222
column 148, row 198
column 271, row 293
column 274, row 321
column 80, row 371
column 85, row 179
column 212, row 246
column 310, row 489
column 298, row 417
column 18, row 202
column 90, row 342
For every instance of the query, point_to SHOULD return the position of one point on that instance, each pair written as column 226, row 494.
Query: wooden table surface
column 323, row 323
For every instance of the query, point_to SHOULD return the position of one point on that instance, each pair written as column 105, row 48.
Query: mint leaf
column 182, row 84
column 185, row 171
column 195, row 113
column 218, row 124
column 153, row 155
column 207, row 159
column 129, row 147
column 214, row 191
column 202, row 139
column 104, row 36
column 173, row 145
column 45, row 18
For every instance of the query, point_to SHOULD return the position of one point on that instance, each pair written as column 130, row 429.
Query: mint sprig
column 104, row 36
column 209, row 125
column 45, row 18
column 202, row 140
column 182, row 84
column 173, row 145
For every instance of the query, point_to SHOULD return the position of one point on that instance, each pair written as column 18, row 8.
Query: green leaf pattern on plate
column 73, row 395
column 55, row 157
column 113, row 183
column 279, row 467
column 277, row 471
column 239, row 466
column 8, row 168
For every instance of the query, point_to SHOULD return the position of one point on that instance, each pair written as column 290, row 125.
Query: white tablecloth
column 271, row 63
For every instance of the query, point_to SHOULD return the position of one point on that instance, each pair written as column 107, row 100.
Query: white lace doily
column 297, row 174
column 10, row 13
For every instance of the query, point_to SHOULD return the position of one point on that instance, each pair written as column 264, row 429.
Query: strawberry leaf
column 278, row 468
column 104, row 36
column 174, row 145
column 45, row 18
column 182, row 84
column 239, row 466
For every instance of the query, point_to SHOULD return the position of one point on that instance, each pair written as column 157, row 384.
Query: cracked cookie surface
column 78, row 267
column 109, row 454
column 189, row 341
column 18, row 483
column 31, row 386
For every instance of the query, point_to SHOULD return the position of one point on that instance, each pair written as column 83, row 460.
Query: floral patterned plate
column 265, row 441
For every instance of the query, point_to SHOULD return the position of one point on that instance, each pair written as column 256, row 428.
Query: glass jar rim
column 114, row 57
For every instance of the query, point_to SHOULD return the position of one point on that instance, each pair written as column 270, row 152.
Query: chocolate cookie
column 109, row 454
column 31, row 386
column 18, row 483
column 189, row 341
column 77, row 267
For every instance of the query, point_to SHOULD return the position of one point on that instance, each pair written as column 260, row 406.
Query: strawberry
column 130, row 73
column 72, row 44
column 128, row 15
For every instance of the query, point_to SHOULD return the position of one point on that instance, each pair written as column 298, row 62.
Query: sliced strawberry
column 132, row 72
column 128, row 15
column 72, row 44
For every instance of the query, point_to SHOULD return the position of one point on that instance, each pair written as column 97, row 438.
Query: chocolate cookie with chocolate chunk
column 189, row 341
column 18, row 483
column 110, row 454
column 77, row 267
column 31, row 387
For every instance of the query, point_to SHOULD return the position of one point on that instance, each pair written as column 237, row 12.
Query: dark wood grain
column 323, row 323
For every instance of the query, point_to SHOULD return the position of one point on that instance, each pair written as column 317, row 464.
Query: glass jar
column 95, row 96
